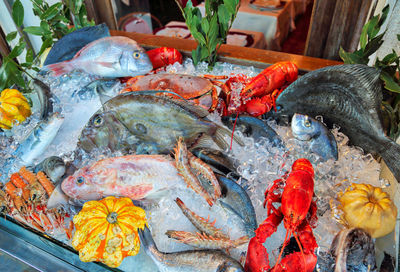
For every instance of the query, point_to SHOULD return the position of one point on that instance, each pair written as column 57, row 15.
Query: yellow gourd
column 369, row 208
column 14, row 107
column 106, row 230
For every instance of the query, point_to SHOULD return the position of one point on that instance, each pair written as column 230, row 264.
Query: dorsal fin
column 196, row 110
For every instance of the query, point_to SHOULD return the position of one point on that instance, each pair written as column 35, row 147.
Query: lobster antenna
column 283, row 247
column 301, row 249
column 233, row 130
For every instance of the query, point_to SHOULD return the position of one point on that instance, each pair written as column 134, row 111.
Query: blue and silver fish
column 39, row 139
column 322, row 142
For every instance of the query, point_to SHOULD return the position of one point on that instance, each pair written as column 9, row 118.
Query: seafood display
column 142, row 161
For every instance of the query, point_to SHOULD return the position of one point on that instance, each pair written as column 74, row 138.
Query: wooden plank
column 91, row 11
column 361, row 20
column 320, row 20
column 105, row 12
column 336, row 30
column 230, row 53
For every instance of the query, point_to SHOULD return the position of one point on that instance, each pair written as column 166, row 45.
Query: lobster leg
column 299, row 261
column 257, row 256
column 273, row 194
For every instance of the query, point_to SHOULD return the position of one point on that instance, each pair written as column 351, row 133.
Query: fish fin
column 219, row 137
column 205, row 141
column 197, row 110
column 59, row 68
column 391, row 156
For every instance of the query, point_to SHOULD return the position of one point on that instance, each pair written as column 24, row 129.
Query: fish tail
column 391, row 156
column 147, row 241
column 59, row 68
column 219, row 137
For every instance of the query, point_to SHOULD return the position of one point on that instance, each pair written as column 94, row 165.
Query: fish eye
column 136, row 55
column 307, row 123
column 209, row 182
column 80, row 180
column 98, row 121
column 278, row 107
column 141, row 128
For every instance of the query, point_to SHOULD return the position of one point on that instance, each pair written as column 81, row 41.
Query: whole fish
column 151, row 123
column 350, row 96
column 109, row 57
column 190, row 260
column 253, row 127
column 53, row 167
column 133, row 176
column 322, row 141
column 39, row 139
column 70, row 44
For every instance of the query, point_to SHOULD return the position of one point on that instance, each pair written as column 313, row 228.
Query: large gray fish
column 190, row 260
column 149, row 122
column 349, row 96
column 109, row 57
column 321, row 140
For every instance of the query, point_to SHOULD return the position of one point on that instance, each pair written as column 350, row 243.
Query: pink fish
column 114, row 56
column 133, row 176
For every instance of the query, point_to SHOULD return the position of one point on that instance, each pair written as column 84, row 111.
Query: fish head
column 304, row 127
column 135, row 61
column 103, row 130
column 81, row 185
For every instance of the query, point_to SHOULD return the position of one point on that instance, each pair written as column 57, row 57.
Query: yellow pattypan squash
column 13, row 107
column 106, row 230
column 369, row 208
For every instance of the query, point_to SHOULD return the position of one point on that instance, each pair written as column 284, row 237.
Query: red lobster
column 298, row 212
column 164, row 56
column 259, row 94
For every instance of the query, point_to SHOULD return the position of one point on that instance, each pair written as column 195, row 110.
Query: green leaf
column 230, row 6
column 51, row 11
column 351, row 58
column 11, row 36
column 385, row 12
column 203, row 53
column 363, row 36
column 223, row 15
column 17, row 50
column 389, row 82
column 390, row 58
column 196, row 55
column 371, row 26
column 199, row 38
column 18, row 13
column 47, row 43
column 205, row 25
column 39, row 2
column 398, row 37
column 373, row 45
column 29, row 56
column 34, row 30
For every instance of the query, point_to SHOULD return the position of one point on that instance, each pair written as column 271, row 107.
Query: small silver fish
column 39, row 139
column 190, row 260
column 322, row 142
column 109, row 57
